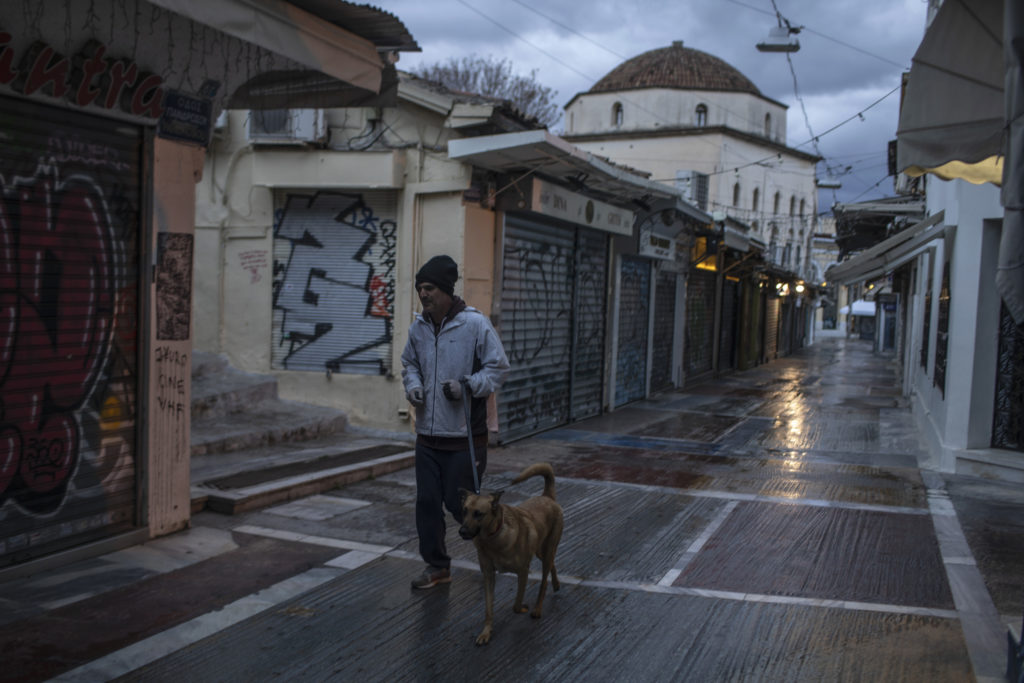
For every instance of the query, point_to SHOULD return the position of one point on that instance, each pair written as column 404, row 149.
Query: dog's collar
column 494, row 533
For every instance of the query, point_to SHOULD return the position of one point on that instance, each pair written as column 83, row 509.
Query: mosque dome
column 675, row 67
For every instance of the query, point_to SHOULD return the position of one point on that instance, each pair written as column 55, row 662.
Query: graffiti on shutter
column 590, row 282
column 634, row 304
column 664, row 330
column 535, row 327
column 70, row 221
column 334, row 282
column 700, row 322
column 1008, row 415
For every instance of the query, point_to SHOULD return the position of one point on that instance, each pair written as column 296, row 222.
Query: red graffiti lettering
column 61, row 319
column 380, row 305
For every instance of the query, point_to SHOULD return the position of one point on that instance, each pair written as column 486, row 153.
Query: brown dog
column 507, row 538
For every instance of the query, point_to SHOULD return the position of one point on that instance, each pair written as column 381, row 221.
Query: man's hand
column 452, row 389
column 415, row 396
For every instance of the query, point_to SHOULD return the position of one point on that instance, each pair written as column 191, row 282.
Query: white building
column 692, row 120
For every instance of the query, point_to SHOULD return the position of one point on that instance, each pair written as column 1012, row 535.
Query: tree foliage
column 495, row 78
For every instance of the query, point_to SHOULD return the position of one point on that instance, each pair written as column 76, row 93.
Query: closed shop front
column 634, row 309
column 786, row 320
column 70, row 232
column 334, row 281
column 700, row 322
column 771, row 328
column 664, row 330
column 728, row 339
column 552, row 324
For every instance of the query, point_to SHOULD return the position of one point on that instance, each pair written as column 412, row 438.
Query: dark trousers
column 439, row 476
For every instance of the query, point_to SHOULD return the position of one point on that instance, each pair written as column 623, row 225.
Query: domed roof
column 675, row 67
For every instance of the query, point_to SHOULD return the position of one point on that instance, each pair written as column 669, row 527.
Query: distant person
column 447, row 342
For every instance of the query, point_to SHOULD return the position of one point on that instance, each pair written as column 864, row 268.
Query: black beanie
column 440, row 271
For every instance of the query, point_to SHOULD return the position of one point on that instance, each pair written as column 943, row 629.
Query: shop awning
column 339, row 39
column 859, row 307
column 541, row 152
column 888, row 254
column 952, row 116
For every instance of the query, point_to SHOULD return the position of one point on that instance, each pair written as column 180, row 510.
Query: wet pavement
column 768, row 525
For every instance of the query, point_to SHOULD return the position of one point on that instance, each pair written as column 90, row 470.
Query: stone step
column 229, row 483
column 218, row 389
column 264, row 424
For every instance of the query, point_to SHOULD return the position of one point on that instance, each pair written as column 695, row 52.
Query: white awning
column 888, row 254
column 952, row 115
column 859, row 307
column 283, row 28
column 539, row 151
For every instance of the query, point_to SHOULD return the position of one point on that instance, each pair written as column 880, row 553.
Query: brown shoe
column 432, row 576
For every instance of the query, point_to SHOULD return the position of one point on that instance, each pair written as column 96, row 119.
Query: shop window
column 701, row 115
column 617, row 114
column 926, row 336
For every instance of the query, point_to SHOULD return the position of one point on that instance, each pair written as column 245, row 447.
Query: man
column 448, row 342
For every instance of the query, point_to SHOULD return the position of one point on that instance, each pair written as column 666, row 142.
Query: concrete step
column 218, row 389
column 234, row 482
column 264, row 424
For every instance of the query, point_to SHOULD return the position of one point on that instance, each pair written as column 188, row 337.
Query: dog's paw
column 535, row 613
column 484, row 637
column 520, row 609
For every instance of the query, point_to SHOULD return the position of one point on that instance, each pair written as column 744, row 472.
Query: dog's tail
column 541, row 469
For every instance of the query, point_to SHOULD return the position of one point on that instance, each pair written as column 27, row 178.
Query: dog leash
column 466, row 397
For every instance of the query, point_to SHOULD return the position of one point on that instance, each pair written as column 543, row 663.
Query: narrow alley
column 769, row 525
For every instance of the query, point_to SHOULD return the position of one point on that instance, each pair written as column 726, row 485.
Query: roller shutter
column 727, row 342
column 634, row 307
column 664, row 330
column 334, row 281
column 700, row 322
column 70, row 217
column 552, row 325
column 771, row 329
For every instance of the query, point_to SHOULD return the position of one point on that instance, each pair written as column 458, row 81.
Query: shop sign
column 551, row 200
column 656, row 246
column 90, row 78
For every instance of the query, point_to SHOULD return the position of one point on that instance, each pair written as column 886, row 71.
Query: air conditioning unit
column 694, row 187
column 287, row 126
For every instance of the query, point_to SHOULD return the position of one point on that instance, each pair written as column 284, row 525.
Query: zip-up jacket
column 465, row 345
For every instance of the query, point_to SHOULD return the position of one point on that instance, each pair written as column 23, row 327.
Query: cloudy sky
column 851, row 56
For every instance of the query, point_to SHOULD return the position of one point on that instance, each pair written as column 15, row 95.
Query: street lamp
column 780, row 39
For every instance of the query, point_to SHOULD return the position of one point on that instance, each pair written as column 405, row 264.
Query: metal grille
column 634, row 304
column 771, row 329
column 664, row 330
column 70, row 217
column 700, row 322
column 334, row 281
column 1008, row 416
column 589, row 321
column 727, row 340
column 536, row 327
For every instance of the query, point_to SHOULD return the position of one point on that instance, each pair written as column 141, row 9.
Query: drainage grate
column 326, row 462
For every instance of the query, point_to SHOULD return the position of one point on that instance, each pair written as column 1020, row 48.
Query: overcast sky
column 851, row 55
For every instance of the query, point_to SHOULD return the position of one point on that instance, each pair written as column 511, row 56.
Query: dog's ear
column 495, row 497
column 462, row 495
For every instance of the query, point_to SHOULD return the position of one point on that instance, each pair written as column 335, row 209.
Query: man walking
column 448, row 342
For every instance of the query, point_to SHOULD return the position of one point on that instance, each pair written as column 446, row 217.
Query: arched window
column 792, row 205
column 736, row 195
column 803, row 206
column 767, row 125
column 756, row 203
column 775, row 203
column 701, row 115
column 617, row 114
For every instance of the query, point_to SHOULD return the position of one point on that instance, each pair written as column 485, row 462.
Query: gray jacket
column 465, row 345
